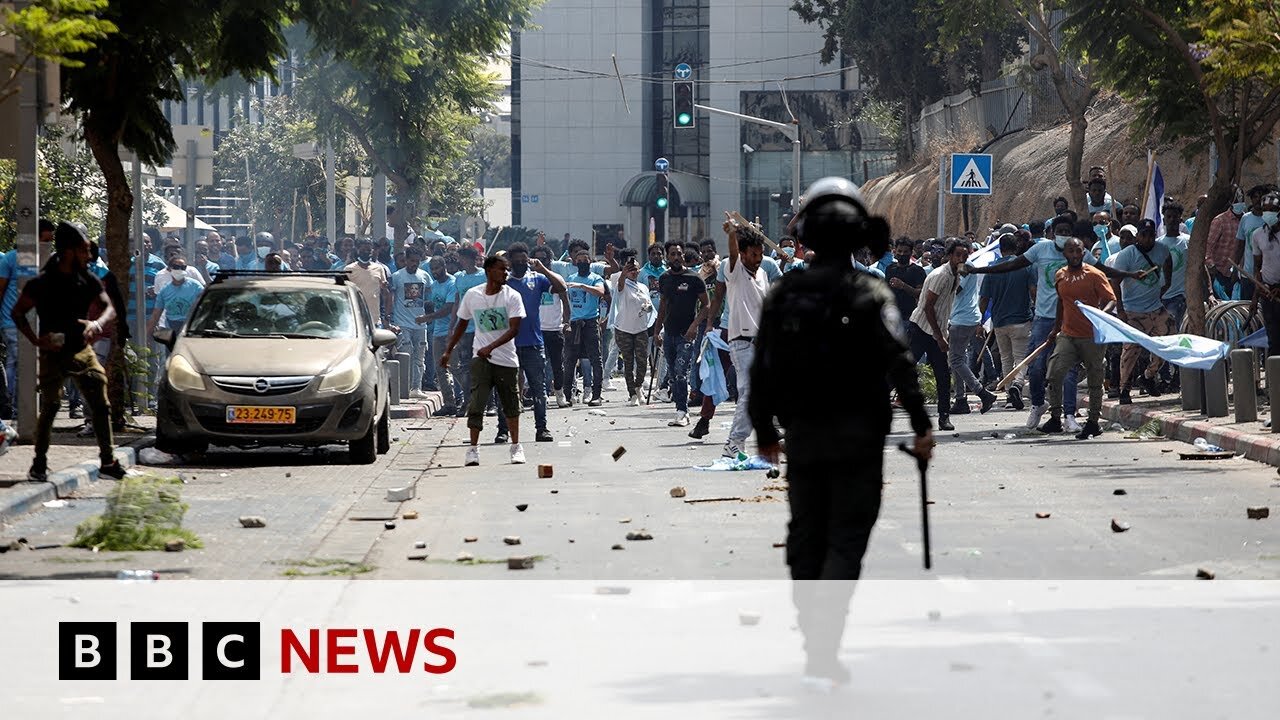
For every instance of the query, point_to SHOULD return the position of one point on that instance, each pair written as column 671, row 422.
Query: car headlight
column 182, row 376
column 344, row 377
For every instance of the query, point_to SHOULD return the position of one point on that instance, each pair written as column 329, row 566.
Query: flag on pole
column 986, row 256
column 1188, row 351
column 1154, row 201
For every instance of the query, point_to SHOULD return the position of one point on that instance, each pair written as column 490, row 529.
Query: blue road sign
column 683, row 71
column 970, row 174
column 661, row 165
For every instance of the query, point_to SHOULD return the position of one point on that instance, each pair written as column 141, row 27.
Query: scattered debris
column 571, row 540
column 678, row 492
column 175, row 545
column 761, row 499
column 586, row 441
column 522, row 507
column 1117, row 526
column 545, row 471
column 390, row 525
column 1258, row 513
column 1219, row 455
column 773, row 474
column 1150, row 430
column 935, row 615
column 465, row 557
column 1203, row 574
column 252, row 521
column 420, row 545
column 410, row 515
column 779, row 544
column 598, row 412
column 555, row 492
column 624, row 521
column 152, row 456
column 418, row 555
column 1042, row 515
column 400, row 494
column 617, row 546
column 1119, row 491
column 774, row 488
column 470, row 539
column 519, row 563
column 1010, row 436
column 748, row 618
column 641, row 535
column 288, row 474
column 717, row 499
column 511, row 539
column 56, row 504
column 617, row 454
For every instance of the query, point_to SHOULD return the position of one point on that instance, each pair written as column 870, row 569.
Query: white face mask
column 178, row 275
column 1061, row 240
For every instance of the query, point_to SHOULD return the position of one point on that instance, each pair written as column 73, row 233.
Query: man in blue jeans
column 9, row 333
column 531, row 279
column 410, row 286
column 683, row 306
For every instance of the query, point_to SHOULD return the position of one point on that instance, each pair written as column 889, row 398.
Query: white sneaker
column 1037, row 412
column 517, row 454
column 473, row 457
column 561, row 401
column 417, row 394
column 664, row 396
column 681, row 420
column 1070, row 425
column 731, row 450
column 609, row 386
column 633, row 400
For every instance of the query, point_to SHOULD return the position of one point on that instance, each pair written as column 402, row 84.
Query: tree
column 51, row 30
column 895, row 44
column 491, row 153
column 406, row 81
column 1195, row 73
column 116, row 88
column 966, row 23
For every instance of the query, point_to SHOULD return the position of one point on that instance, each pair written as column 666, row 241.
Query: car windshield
column 272, row 312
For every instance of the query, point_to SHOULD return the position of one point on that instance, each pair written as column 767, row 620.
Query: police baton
column 922, row 465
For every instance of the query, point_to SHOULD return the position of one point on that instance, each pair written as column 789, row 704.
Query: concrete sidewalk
column 1251, row 440
column 72, row 463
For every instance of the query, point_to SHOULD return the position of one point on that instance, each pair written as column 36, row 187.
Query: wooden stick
column 1019, row 367
column 720, row 499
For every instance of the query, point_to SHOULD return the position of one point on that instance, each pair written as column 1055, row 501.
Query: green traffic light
column 662, row 203
column 684, row 118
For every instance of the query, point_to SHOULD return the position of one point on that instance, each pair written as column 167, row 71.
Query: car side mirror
column 164, row 336
column 383, row 338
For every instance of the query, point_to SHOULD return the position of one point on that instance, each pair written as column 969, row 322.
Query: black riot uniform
column 839, row 329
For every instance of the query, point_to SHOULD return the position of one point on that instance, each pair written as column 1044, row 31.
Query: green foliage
column 490, row 152
column 928, row 383
column 53, row 30
column 143, row 513
column 1240, row 42
column 325, row 568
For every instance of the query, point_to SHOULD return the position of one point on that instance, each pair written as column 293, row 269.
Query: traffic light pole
column 791, row 130
column 27, row 191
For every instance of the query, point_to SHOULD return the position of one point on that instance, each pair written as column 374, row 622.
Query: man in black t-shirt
column 905, row 278
column 683, row 306
column 64, row 296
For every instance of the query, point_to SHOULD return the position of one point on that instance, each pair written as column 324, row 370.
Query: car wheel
column 384, row 433
column 364, row 450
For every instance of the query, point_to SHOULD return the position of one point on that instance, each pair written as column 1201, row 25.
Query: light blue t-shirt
column 442, row 293
column 1047, row 260
column 1244, row 233
column 177, row 299
column 1141, row 296
column 964, row 311
column 9, row 271
column 408, row 292
column 1178, row 249
column 582, row 304
column 649, row 278
column 462, row 282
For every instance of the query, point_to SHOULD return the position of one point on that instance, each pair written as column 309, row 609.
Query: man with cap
column 64, row 296
column 831, row 321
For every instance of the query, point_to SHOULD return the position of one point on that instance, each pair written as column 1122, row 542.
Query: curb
column 418, row 408
column 66, row 481
column 1259, row 448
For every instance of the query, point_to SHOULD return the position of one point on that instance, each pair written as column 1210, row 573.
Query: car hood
column 265, row 357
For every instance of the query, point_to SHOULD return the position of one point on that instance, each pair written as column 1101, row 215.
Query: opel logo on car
column 261, row 385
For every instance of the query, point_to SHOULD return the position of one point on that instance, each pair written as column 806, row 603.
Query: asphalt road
column 327, row 518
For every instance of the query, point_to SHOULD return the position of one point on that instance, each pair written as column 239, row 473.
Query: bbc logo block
column 160, row 650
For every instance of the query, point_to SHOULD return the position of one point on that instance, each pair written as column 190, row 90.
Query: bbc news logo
column 233, row 651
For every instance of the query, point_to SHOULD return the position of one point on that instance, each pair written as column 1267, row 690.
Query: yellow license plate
column 261, row 415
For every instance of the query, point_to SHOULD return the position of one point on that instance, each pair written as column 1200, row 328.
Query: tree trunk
column 1075, row 159
column 1220, row 195
column 120, row 199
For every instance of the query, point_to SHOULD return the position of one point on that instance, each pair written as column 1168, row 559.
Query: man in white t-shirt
column 496, row 311
column 745, row 286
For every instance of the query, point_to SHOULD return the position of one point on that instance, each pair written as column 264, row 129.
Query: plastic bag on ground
column 152, row 456
column 741, row 462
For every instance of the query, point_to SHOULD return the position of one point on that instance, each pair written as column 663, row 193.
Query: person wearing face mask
column 373, row 280
column 175, row 300
column 684, row 307
column 1140, row 306
column 1102, row 228
column 1266, row 257
column 582, row 341
column 1220, row 248
column 1047, row 258
column 1244, row 250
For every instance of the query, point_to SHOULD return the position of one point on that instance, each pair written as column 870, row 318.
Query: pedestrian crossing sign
column 970, row 174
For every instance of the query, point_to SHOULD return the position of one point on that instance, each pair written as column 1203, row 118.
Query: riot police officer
column 840, row 329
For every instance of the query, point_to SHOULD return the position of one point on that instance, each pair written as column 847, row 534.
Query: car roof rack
column 338, row 276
